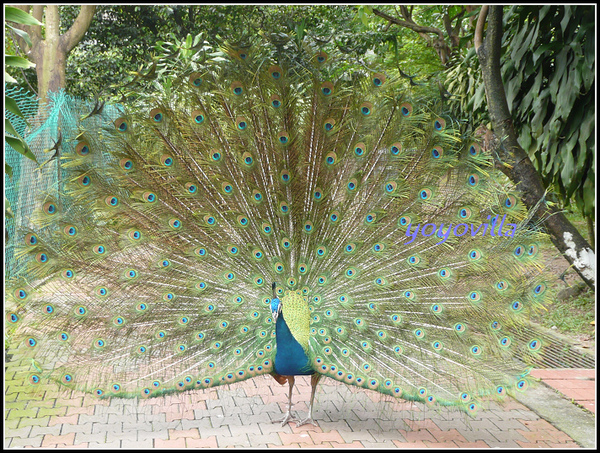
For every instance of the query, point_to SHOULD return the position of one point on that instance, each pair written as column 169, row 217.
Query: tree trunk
column 513, row 161
column 49, row 52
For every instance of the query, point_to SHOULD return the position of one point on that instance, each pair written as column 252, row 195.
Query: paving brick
column 65, row 439
column 589, row 385
column 18, row 442
column 105, row 445
column 351, row 436
column 78, row 446
column 52, row 411
column 179, row 415
column 68, row 420
column 147, row 434
column 43, row 421
column 105, row 411
column 72, row 410
column 333, row 425
column 23, row 432
column 561, row 445
column 137, row 444
column 289, row 438
column 169, row 443
column 237, row 440
column 107, row 427
column 510, row 435
column 565, row 373
column 88, row 400
column 78, row 428
column 164, row 426
column 120, row 418
column 189, row 433
column 379, row 444
column 45, row 430
column 384, row 436
column 478, row 435
column 538, row 424
column 11, row 424
column 99, row 438
column 22, row 413
column 538, row 435
column 268, row 428
column 470, row 425
column 476, row 444
column 209, row 442
column 13, row 405
column 532, row 444
column 201, row 413
column 95, row 418
column 259, row 438
column 362, row 424
column 332, row 436
column 417, row 444
column 389, row 425
column 355, row 444
column 417, row 435
column 126, row 435
column 233, row 420
column 135, row 422
column 296, row 445
column 202, row 424
column 513, row 423
column 446, row 436
column 222, row 431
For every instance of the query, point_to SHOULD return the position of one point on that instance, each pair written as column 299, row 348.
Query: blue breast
column 290, row 359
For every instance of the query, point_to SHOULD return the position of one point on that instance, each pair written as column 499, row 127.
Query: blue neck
column 290, row 359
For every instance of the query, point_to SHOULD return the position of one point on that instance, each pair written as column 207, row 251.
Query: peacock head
column 275, row 304
column 275, row 308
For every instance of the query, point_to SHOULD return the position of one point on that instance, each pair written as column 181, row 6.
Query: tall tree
column 513, row 160
column 49, row 50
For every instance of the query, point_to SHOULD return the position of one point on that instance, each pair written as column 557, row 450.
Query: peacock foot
column 306, row 421
column 286, row 419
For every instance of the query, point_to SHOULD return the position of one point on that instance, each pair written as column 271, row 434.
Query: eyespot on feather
column 321, row 57
column 327, row 88
column 82, row 149
column 237, row 88
column 121, row 125
column 378, row 79
column 156, row 115
column 275, row 72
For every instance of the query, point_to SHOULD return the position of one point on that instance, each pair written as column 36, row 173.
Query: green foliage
column 549, row 78
column 11, row 136
column 124, row 39
column 572, row 316
column 548, row 72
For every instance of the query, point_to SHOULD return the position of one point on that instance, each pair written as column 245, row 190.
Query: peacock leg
column 314, row 380
column 288, row 415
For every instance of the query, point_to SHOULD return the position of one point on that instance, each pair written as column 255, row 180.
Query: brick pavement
column 241, row 415
column 575, row 383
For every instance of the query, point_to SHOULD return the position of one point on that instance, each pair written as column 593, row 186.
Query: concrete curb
column 551, row 405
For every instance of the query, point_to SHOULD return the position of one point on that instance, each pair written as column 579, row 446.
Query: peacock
column 270, row 211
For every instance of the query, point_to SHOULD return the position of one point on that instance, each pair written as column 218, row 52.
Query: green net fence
column 51, row 128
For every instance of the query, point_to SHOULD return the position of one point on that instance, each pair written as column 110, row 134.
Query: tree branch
column 438, row 44
column 480, row 26
column 36, row 30
column 72, row 36
column 514, row 162
column 409, row 23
